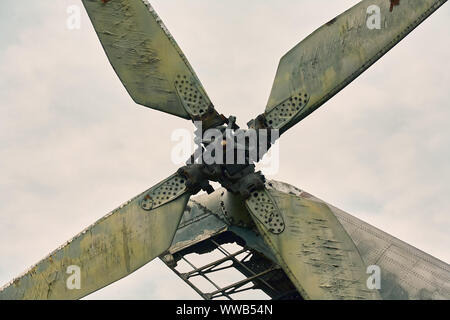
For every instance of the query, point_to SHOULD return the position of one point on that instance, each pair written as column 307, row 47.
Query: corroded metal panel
column 165, row 192
column 221, row 211
column 110, row 249
column 315, row 251
column 406, row 272
column 144, row 54
column 338, row 52
column 197, row 224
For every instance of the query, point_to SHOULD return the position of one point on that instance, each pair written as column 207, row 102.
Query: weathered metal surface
column 144, row 54
column 338, row 52
column 191, row 96
column 315, row 251
column 110, row 249
column 282, row 114
column 129, row 237
column 203, row 230
column 165, row 192
column 264, row 208
column 221, row 211
column 233, row 208
column 406, row 272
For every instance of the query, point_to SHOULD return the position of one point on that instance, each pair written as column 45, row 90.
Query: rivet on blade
column 264, row 208
column 163, row 193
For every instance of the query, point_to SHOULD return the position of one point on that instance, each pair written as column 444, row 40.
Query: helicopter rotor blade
column 311, row 246
column 148, row 61
column 337, row 53
column 110, row 249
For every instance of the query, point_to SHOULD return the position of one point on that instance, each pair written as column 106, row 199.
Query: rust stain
column 105, row 1
column 393, row 4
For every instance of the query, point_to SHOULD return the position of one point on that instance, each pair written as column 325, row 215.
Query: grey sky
column 73, row 145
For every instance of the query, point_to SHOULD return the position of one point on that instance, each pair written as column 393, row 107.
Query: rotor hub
column 226, row 154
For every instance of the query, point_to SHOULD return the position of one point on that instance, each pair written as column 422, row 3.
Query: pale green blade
column 110, row 249
column 337, row 53
column 146, row 58
column 311, row 246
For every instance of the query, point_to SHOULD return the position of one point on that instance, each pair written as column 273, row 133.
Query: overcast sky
column 73, row 145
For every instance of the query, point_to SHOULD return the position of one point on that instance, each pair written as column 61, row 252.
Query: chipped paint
column 393, row 4
column 113, row 247
column 337, row 53
column 148, row 59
